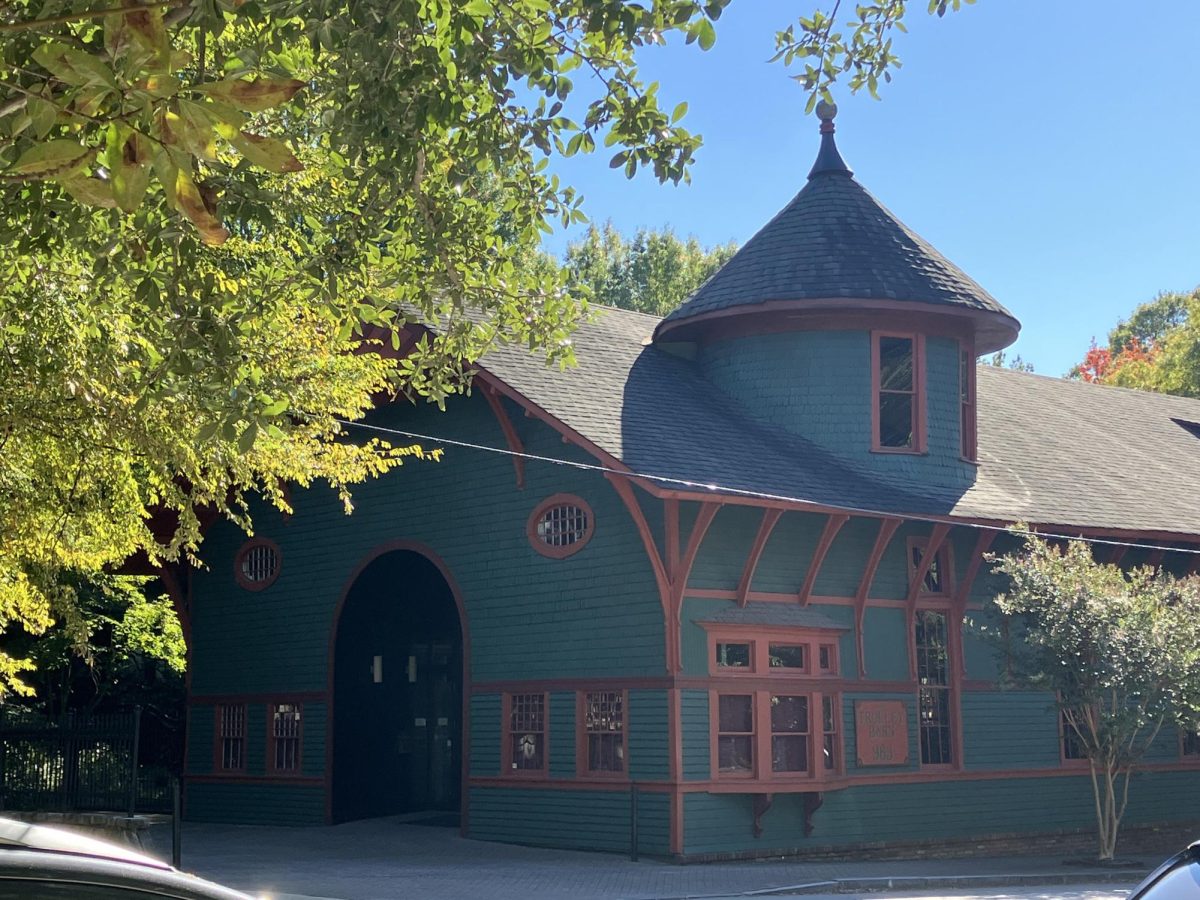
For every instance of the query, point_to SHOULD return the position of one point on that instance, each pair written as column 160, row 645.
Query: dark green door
column 397, row 730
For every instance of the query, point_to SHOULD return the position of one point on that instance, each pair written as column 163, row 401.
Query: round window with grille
column 257, row 564
column 561, row 525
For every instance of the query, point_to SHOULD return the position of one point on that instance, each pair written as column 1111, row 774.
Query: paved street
column 382, row 859
column 1095, row 892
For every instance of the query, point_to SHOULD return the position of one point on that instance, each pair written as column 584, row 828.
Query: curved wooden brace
column 1156, row 558
column 937, row 538
column 887, row 528
column 983, row 543
column 765, row 527
column 678, row 578
column 510, row 433
column 625, row 491
column 833, row 524
column 1116, row 554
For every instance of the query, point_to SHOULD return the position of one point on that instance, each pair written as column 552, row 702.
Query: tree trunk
column 1110, row 803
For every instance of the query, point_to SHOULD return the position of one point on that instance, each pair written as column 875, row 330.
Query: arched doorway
column 397, row 690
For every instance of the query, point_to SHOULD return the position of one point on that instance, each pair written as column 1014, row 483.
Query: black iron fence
column 80, row 763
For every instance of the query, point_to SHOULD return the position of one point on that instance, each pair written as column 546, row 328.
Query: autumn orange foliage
column 1100, row 364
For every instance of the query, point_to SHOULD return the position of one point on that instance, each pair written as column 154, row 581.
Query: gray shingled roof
column 781, row 614
column 1051, row 451
column 834, row 240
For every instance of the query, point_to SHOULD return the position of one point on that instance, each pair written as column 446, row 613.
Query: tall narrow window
column 604, row 726
column 527, row 732
column 735, row 734
column 285, row 737
column 829, row 730
column 1189, row 744
column 897, row 400
column 934, row 581
column 933, row 692
column 231, row 737
column 789, row 733
column 966, row 390
column 1072, row 745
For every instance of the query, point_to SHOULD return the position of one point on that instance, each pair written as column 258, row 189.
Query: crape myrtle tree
column 1120, row 650
column 215, row 215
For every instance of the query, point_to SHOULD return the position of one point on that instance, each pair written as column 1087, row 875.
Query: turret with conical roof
column 838, row 323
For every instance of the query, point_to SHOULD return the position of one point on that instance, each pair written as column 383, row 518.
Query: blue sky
column 1050, row 148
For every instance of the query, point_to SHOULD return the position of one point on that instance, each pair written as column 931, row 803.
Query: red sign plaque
column 881, row 732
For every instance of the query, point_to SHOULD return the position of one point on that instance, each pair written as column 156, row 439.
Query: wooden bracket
column 812, row 802
column 762, row 803
column 887, row 528
column 833, row 524
column 510, row 433
column 765, row 527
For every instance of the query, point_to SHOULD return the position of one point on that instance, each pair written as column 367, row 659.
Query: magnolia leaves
column 107, row 121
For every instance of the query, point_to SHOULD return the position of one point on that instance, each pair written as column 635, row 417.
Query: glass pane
column 789, row 714
column 825, row 657
column 895, row 364
column 933, row 577
column 789, row 753
column 735, row 754
column 1191, row 743
column 828, row 751
column 827, row 720
column 606, row 752
column 1182, row 883
column 733, row 656
column 787, row 656
column 896, row 420
column 964, row 382
column 736, row 712
column 527, row 751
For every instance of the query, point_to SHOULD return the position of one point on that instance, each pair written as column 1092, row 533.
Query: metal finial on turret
column 828, row 158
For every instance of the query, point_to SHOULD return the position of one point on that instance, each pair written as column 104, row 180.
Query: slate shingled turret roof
column 1051, row 452
column 835, row 242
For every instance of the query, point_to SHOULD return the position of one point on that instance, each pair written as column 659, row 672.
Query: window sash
column 231, row 737
column 526, row 737
column 604, row 731
column 770, row 735
column 898, row 386
column 286, row 720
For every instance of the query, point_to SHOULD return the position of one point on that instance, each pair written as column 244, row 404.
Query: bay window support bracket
column 812, row 802
column 762, row 803
column 833, row 525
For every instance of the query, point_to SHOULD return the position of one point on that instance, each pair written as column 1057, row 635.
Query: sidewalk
column 381, row 859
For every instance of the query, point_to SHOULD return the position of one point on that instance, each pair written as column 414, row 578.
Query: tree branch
column 35, row 24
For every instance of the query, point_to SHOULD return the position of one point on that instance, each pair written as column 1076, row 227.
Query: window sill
column 897, row 451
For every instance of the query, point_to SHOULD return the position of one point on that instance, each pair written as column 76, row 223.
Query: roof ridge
column 623, row 309
column 1062, row 379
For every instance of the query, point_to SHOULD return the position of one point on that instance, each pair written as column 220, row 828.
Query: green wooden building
column 743, row 595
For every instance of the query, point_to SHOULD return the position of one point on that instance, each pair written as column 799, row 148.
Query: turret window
column 966, row 391
column 898, row 378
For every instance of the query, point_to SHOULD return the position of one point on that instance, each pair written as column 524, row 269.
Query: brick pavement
column 380, row 859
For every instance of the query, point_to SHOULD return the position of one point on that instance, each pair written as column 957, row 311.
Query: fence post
column 176, row 820
column 633, row 821
column 133, row 760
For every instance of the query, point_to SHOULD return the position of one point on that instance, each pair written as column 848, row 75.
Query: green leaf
column 253, row 96
column 679, row 112
column 246, row 441
column 51, row 158
column 267, row 153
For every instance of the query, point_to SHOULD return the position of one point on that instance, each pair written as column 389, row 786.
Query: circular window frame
column 540, row 510
column 240, row 577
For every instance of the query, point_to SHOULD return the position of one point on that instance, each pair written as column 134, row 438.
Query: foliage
column 1000, row 360
column 1156, row 349
column 122, row 645
column 1121, row 651
column 652, row 273
column 863, row 50
column 214, row 213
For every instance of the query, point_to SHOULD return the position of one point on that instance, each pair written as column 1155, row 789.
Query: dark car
column 40, row 863
column 1176, row 879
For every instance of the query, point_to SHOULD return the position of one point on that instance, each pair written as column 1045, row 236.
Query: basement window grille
column 285, row 738
column 232, row 735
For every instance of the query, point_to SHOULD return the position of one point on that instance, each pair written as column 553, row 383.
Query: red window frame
column 240, row 560
column 968, row 411
column 513, row 707
column 583, row 744
column 229, row 732
column 762, row 640
column 815, row 735
column 933, row 686
column 917, row 392
column 545, row 548
column 944, row 561
column 279, row 732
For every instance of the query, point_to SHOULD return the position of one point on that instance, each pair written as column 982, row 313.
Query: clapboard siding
column 562, row 735
column 649, row 752
column 957, row 809
column 486, row 732
column 598, row 820
column 697, row 762
column 1010, row 730
column 255, row 804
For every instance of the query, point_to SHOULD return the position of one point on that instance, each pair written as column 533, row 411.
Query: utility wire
column 742, row 492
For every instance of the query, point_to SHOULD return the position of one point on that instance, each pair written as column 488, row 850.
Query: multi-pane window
column 789, row 656
column 231, row 737
column 1072, row 744
column 966, row 405
column 933, row 691
column 897, row 397
column 527, row 732
column 1189, row 743
column 829, row 732
column 935, row 580
column 789, row 733
column 560, row 526
column 733, row 655
column 827, row 658
column 604, row 727
column 285, row 737
column 735, row 734
column 257, row 564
